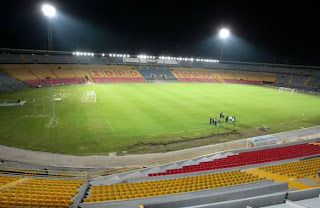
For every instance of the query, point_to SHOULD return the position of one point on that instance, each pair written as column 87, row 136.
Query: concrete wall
column 304, row 194
column 254, row 202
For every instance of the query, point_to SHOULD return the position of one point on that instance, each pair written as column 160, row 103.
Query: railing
column 109, row 172
column 84, row 175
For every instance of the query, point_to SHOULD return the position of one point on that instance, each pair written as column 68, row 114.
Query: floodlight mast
column 223, row 34
column 50, row 12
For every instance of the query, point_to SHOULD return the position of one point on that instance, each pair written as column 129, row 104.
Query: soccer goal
column 286, row 89
column 89, row 96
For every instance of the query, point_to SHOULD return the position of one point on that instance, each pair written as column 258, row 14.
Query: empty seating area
column 298, row 81
column 7, row 179
column 186, row 75
column 116, row 75
column 248, row 158
column 45, row 75
column 168, row 186
column 300, row 169
column 39, row 192
column 157, row 75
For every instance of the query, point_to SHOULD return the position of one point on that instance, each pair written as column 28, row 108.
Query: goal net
column 286, row 89
column 89, row 96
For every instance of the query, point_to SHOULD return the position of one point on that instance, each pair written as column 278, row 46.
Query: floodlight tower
column 50, row 12
column 223, row 34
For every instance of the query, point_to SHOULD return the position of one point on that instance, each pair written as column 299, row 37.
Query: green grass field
column 148, row 117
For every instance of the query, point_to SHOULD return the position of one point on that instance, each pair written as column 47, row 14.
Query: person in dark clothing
column 227, row 118
column 210, row 120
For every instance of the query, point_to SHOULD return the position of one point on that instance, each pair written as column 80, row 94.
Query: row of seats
column 40, row 192
column 7, row 179
column 299, row 169
column 248, row 158
column 168, row 186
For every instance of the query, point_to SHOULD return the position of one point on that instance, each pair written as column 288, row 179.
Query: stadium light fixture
column 224, row 33
column 49, row 10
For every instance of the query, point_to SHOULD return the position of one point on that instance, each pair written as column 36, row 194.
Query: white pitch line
column 105, row 118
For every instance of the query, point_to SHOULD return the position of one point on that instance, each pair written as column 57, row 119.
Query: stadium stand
column 156, row 74
column 39, row 192
column 298, row 81
column 283, row 80
column 43, row 72
column 66, row 76
column 228, row 72
column 168, row 186
column 25, row 75
column 8, row 83
column 248, row 158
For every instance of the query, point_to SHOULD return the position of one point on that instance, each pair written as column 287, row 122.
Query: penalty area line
column 106, row 119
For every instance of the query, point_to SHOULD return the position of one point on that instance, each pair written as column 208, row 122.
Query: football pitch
column 148, row 117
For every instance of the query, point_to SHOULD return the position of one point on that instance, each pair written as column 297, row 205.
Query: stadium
column 84, row 129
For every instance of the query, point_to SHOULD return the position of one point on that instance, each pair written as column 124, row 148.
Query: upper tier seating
column 38, row 192
column 168, row 186
column 248, row 158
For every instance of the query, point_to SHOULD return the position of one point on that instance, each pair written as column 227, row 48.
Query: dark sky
column 265, row 31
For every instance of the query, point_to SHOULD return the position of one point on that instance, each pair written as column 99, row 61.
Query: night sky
column 265, row 31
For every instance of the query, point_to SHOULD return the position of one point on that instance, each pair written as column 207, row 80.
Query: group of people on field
column 215, row 121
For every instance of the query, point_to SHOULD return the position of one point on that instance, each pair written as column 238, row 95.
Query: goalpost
column 292, row 90
column 89, row 96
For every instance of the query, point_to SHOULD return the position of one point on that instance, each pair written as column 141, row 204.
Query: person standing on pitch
column 227, row 119
column 219, row 122
column 210, row 120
